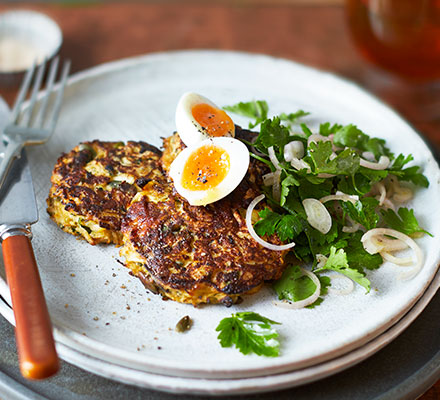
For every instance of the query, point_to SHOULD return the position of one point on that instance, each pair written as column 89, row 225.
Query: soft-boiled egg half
column 198, row 118
column 209, row 170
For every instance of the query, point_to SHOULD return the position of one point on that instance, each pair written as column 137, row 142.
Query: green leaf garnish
column 256, row 110
column 286, row 226
column 363, row 211
column 250, row 333
column 295, row 286
column 337, row 261
column 404, row 221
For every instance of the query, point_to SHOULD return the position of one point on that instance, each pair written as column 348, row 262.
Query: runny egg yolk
column 205, row 168
column 214, row 121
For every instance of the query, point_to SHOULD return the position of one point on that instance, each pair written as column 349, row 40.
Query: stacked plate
column 105, row 321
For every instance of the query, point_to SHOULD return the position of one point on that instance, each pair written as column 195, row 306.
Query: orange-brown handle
column 33, row 330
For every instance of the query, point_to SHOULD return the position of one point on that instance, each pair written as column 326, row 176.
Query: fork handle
column 12, row 151
column 37, row 355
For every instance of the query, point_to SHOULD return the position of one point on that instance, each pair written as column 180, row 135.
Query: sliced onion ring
column 268, row 179
column 367, row 243
column 254, row 235
column 339, row 196
column 396, row 260
column 273, row 158
column 344, row 291
column 383, row 163
column 305, row 302
column 317, row 215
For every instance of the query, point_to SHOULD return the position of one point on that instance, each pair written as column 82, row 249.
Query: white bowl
column 25, row 36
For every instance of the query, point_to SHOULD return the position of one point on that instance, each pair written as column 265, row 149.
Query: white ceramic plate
column 244, row 385
column 100, row 310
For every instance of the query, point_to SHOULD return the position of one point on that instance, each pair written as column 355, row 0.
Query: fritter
column 195, row 254
column 93, row 185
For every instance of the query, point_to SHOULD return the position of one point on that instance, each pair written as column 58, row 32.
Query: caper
column 184, row 324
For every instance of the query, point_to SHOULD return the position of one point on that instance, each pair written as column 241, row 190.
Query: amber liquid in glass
column 402, row 36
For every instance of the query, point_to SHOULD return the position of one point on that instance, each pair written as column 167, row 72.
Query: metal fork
column 33, row 124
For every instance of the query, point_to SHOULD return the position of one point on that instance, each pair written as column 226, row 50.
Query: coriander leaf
column 292, row 117
column 352, row 136
column 289, row 227
column 357, row 257
column 287, row 182
column 268, row 222
column 272, row 133
column 253, row 109
column 363, row 211
column 337, row 261
column 286, row 226
column 346, row 163
column 325, row 283
column 250, row 333
column 400, row 161
column 413, row 175
column 326, row 129
column 295, row 286
column 308, row 189
column 306, row 130
column 404, row 221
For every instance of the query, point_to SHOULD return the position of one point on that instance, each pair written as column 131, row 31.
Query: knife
column 37, row 355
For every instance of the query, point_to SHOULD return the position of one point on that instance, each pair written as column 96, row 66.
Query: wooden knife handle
column 33, row 330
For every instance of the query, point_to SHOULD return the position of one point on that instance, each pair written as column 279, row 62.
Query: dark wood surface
column 312, row 34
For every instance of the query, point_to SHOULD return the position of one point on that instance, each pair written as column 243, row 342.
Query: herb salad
column 337, row 197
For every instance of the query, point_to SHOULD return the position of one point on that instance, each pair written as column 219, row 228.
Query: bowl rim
column 46, row 20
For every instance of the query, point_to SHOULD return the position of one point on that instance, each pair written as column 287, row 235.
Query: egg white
column 239, row 162
column 189, row 130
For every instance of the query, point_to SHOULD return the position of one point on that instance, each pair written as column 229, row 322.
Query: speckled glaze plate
column 100, row 310
column 242, row 386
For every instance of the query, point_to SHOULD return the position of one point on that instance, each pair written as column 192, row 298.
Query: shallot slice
column 254, row 235
column 293, row 150
column 305, row 302
column 273, row 158
column 340, row 196
column 383, row 163
column 371, row 248
column 317, row 215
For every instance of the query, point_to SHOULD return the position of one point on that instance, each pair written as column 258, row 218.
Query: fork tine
column 36, row 87
column 22, row 93
column 49, row 87
column 59, row 99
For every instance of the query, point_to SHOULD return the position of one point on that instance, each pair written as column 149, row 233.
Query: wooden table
column 311, row 32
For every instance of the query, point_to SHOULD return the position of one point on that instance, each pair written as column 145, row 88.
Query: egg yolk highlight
column 205, row 168
column 215, row 122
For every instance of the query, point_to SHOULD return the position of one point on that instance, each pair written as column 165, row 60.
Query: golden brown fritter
column 195, row 254
column 93, row 185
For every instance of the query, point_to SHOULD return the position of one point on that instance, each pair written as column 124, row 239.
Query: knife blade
column 18, row 210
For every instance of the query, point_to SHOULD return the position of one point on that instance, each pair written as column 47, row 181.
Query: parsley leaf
column 256, row 109
column 326, row 129
column 286, row 226
column 404, row 221
column 363, row 211
column 272, row 133
column 295, row 286
column 337, row 261
column 292, row 117
column 250, row 333
column 413, row 175
column 410, row 174
column 352, row 136
column 290, row 180
column 357, row 257
column 346, row 162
